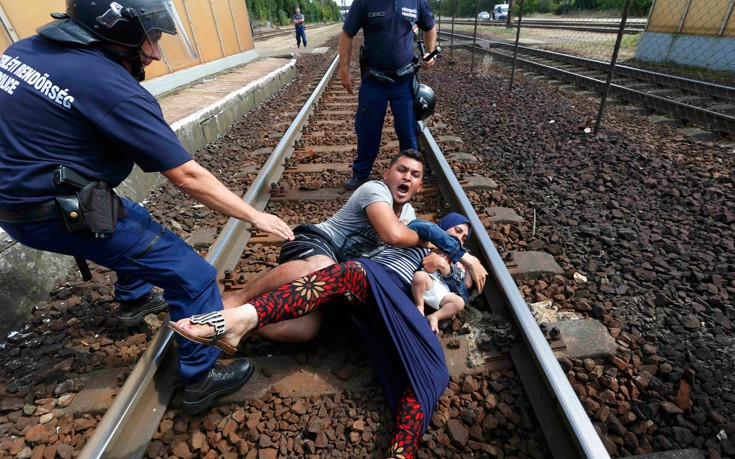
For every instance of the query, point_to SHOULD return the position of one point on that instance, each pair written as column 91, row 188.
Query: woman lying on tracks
column 442, row 285
column 406, row 353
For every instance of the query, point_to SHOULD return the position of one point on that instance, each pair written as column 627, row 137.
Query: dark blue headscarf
column 453, row 219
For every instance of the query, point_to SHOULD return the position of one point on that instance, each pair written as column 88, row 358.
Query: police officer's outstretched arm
column 201, row 185
column 345, row 53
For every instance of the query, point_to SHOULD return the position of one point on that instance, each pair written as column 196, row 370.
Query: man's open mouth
column 403, row 188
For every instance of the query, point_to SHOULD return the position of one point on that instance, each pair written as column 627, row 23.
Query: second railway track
column 696, row 103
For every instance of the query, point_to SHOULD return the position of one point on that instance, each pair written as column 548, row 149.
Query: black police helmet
column 123, row 22
column 424, row 102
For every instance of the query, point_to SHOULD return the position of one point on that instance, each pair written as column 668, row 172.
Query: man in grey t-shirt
column 375, row 215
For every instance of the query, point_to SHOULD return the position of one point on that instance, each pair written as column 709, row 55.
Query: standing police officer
column 74, row 121
column 298, row 21
column 389, row 46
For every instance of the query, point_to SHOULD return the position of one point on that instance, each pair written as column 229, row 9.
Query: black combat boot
column 355, row 183
column 132, row 312
column 220, row 381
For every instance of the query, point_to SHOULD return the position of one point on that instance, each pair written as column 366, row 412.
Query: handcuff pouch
column 70, row 212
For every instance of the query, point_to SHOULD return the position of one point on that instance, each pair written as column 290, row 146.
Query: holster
column 100, row 208
column 377, row 75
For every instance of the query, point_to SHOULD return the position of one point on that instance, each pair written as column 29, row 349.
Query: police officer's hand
column 272, row 224
column 347, row 82
column 425, row 65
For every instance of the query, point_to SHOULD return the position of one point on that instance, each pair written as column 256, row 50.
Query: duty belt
column 390, row 76
column 37, row 213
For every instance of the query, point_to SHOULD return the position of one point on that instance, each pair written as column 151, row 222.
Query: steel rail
column 124, row 431
column 606, row 27
column 716, row 121
column 701, row 88
column 548, row 388
column 279, row 32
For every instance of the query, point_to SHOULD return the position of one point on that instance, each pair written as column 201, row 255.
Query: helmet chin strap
column 137, row 69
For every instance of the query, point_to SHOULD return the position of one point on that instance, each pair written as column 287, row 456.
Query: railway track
column 311, row 145
column 698, row 103
column 581, row 25
column 264, row 34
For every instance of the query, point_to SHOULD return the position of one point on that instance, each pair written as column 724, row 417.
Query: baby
column 442, row 285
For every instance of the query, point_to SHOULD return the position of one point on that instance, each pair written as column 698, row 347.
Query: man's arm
column 345, row 54
column 433, row 233
column 430, row 44
column 201, row 185
column 389, row 228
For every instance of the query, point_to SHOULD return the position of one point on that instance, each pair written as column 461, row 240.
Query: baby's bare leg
column 421, row 283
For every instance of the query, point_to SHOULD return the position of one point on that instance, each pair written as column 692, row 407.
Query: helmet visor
column 166, row 34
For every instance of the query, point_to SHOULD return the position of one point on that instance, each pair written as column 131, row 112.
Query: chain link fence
column 673, row 57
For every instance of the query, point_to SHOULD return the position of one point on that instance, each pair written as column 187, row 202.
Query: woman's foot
column 222, row 329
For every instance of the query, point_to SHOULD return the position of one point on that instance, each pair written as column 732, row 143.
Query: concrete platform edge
column 27, row 275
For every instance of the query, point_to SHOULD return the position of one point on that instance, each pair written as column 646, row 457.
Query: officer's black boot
column 220, row 381
column 132, row 312
column 355, row 182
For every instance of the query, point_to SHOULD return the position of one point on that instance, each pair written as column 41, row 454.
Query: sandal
column 214, row 319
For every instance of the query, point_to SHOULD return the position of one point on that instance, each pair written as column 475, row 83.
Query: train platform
column 273, row 54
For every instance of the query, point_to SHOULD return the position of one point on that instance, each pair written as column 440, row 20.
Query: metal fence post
column 439, row 28
column 451, row 40
column 726, row 19
column 612, row 65
column 474, row 37
column 518, row 37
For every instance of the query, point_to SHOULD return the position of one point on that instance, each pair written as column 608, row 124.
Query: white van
column 500, row 11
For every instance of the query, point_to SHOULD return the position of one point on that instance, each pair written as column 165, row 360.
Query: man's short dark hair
column 411, row 154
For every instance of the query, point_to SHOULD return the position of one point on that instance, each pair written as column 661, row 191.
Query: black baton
column 83, row 268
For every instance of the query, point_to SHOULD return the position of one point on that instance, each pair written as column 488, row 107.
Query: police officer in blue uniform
column 298, row 21
column 74, row 121
column 389, row 47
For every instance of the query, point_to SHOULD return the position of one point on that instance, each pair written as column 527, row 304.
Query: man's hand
column 272, row 224
column 346, row 77
column 435, row 262
column 426, row 245
column 476, row 270
column 426, row 65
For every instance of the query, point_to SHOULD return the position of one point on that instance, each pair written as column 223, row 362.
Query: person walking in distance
column 388, row 27
column 74, row 121
column 298, row 21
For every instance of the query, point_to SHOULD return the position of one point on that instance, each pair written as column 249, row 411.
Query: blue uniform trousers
column 300, row 36
column 141, row 251
column 372, row 104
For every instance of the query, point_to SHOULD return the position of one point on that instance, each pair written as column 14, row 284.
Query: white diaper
column 433, row 296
